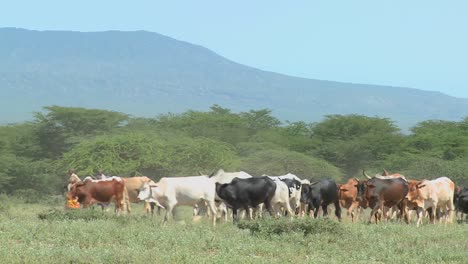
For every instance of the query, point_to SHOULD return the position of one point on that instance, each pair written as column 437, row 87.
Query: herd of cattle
column 386, row 195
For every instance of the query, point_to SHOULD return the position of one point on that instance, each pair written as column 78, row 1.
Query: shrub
column 61, row 215
column 270, row 227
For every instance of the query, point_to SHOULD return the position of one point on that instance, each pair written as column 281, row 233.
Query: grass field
column 94, row 237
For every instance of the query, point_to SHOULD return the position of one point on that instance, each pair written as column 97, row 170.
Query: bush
column 270, row 227
column 61, row 215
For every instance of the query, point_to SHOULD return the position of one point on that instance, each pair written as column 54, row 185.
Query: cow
column 303, row 206
column 321, row 193
column 226, row 177
column 462, row 202
column 91, row 191
column 348, row 198
column 171, row 192
column 295, row 190
column 133, row 186
column 386, row 175
column 384, row 192
column 436, row 194
column 456, row 196
column 247, row 193
column 295, row 187
column 281, row 198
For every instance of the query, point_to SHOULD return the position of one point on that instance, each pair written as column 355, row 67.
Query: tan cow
column 435, row 194
column 133, row 186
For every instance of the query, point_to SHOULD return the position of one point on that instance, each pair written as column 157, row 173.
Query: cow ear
column 344, row 189
column 371, row 185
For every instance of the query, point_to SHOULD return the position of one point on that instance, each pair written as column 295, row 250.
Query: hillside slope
column 144, row 74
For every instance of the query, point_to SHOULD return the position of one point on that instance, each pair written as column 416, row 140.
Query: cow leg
column 289, row 210
column 432, row 214
column 338, row 210
column 269, row 208
column 351, row 210
column 404, row 210
column 303, row 210
column 250, row 212
column 169, row 211
column 374, row 213
column 147, row 208
column 450, row 210
column 152, row 208
column 325, row 210
column 358, row 212
column 212, row 206
column 235, row 217
column 316, row 204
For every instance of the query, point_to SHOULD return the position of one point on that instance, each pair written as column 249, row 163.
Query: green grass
column 37, row 233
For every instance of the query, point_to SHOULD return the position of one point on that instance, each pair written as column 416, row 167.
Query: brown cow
column 384, row 192
column 348, row 198
column 91, row 191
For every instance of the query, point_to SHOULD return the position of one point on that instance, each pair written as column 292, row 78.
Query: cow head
column 149, row 193
column 76, row 190
column 361, row 190
column 413, row 189
column 305, row 193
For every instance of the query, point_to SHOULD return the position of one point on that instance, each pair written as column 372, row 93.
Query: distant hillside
column 144, row 74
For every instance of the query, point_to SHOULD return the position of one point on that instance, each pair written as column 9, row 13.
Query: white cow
column 281, row 199
column 226, row 177
column 174, row 191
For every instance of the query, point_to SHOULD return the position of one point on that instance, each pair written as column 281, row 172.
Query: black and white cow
column 247, row 193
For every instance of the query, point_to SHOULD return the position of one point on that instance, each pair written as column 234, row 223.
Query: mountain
column 145, row 74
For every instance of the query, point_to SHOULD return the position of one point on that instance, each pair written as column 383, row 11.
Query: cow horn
column 356, row 179
column 200, row 173
column 365, row 174
column 385, row 172
column 213, row 173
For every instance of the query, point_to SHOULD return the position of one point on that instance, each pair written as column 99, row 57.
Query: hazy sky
column 411, row 43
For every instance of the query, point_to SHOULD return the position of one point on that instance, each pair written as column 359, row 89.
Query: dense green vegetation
column 35, row 156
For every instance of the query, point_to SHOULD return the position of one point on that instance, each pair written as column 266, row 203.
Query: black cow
column 245, row 193
column 321, row 193
column 384, row 192
column 462, row 201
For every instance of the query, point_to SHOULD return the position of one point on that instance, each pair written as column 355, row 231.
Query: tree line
column 35, row 155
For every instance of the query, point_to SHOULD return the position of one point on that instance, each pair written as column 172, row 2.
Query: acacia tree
column 140, row 153
column 60, row 127
column 354, row 142
column 446, row 140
